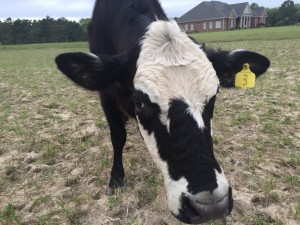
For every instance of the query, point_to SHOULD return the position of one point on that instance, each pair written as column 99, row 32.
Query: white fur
column 171, row 66
column 92, row 55
column 223, row 185
column 152, row 148
column 174, row 188
column 197, row 114
column 236, row 50
column 165, row 120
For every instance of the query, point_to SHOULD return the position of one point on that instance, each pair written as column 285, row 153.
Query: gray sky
column 76, row 9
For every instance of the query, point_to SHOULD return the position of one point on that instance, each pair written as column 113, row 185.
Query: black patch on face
column 187, row 149
column 147, row 112
column 192, row 147
column 208, row 112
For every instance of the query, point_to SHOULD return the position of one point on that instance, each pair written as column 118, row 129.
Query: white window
column 186, row 27
column 192, row 26
column 231, row 23
column 199, row 25
column 204, row 25
column 218, row 24
column 210, row 25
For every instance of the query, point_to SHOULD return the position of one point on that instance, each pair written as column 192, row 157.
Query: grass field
column 55, row 153
column 257, row 34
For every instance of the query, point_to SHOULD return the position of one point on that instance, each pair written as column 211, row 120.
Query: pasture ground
column 55, row 153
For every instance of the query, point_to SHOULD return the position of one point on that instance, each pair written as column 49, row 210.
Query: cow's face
column 175, row 92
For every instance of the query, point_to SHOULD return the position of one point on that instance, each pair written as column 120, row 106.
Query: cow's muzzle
column 204, row 207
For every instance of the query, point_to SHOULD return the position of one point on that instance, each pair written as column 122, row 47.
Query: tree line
column 287, row 14
column 49, row 30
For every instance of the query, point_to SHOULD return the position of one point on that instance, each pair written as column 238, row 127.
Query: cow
column 144, row 66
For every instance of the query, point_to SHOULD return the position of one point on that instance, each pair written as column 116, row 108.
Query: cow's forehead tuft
column 165, row 44
column 171, row 66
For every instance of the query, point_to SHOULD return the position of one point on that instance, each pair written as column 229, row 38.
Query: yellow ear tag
column 245, row 78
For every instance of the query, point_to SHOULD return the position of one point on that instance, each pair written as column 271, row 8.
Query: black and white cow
column 145, row 67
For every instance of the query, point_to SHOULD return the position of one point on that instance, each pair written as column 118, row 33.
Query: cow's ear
column 90, row 71
column 228, row 64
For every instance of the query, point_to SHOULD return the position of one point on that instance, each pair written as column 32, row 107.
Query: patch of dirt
column 71, row 179
column 56, row 154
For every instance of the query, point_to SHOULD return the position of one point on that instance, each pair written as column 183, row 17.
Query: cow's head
column 175, row 87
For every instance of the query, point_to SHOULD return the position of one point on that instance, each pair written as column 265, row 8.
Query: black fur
column 191, row 153
column 116, row 26
column 228, row 64
column 187, row 149
column 115, row 31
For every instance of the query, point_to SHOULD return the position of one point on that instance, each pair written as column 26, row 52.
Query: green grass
column 8, row 215
column 11, row 171
column 115, row 199
column 293, row 180
column 262, row 219
column 68, row 212
column 257, row 34
column 41, row 200
column 45, row 116
column 297, row 209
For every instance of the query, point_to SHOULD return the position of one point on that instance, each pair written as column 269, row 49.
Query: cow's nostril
column 195, row 210
column 188, row 208
column 187, row 212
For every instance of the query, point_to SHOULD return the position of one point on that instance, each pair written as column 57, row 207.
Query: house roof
column 214, row 10
column 228, row 12
column 219, row 5
column 258, row 11
column 203, row 11
column 239, row 8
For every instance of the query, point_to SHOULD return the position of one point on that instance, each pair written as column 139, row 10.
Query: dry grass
column 55, row 153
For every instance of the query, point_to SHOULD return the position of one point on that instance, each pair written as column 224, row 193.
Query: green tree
column 272, row 18
column 254, row 5
column 6, row 28
column 287, row 13
column 84, row 23
column 47, row 30
column 34, row 33
column 20, row 32
column 60, row 30
column 297, row 6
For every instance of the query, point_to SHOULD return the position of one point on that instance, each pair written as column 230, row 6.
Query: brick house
column 216, row 15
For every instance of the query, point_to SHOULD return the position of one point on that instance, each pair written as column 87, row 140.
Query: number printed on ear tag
column 245, row 78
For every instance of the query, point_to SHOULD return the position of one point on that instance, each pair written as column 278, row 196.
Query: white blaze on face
column 223, row 185
column 174, row 188
column 171, row 66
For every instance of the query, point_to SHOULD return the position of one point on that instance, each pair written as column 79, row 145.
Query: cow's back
column 117, row 25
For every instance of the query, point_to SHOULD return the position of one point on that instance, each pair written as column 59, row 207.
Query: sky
column 77, row 9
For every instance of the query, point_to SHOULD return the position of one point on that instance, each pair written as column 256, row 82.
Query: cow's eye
column 139, row 105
